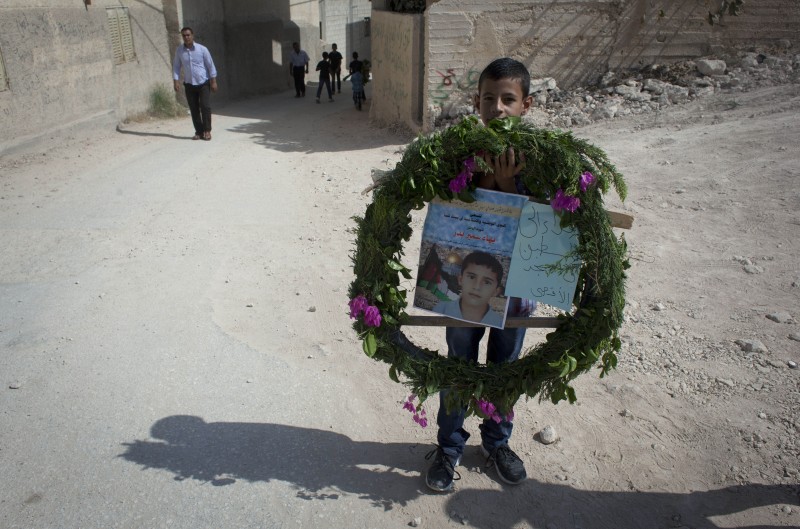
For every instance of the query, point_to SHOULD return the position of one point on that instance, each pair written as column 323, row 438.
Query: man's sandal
column 196, row 137
column 207, row 136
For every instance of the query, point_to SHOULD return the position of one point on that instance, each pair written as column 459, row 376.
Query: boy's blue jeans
column 462, row 342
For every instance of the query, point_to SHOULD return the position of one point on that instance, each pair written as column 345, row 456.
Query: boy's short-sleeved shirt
column 324, row 68
column 355, row 66
column 336, row 60
column 453, row 309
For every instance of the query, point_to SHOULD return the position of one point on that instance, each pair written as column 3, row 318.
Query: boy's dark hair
column 355, row 55
column 187, row 28
column 507, row 68
column 324, row 54
column 484, row 259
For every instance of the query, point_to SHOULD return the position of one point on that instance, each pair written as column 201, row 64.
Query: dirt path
column 176, row 351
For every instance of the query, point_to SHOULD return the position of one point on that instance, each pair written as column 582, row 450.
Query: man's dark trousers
column 199, row 99
column 299, row 80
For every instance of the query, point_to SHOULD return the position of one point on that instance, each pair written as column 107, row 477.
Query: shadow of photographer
column 319, row 463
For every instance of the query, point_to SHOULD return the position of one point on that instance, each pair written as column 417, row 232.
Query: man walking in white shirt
column 195, row 68
column 298, row 68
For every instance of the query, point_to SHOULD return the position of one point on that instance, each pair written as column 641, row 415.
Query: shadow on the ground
column 157, row 134
column 321, row 464
column 540, row 505
column 284, row 123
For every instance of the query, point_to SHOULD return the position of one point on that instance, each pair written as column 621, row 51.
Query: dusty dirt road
column 175, row 349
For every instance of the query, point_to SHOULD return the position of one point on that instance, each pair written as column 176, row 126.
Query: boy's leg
column 504, row 346
column 462, row 342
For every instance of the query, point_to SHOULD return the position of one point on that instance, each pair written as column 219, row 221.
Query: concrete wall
column 396, row 73
column 343, row 23
column 257, row 43
column 304, row 16
column 60, row 66
column 250, row 40
column 574, row 41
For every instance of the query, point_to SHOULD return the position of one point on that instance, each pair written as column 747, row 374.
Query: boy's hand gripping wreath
column 568, row 173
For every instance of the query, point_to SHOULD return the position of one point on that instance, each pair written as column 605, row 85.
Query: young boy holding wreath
column 503, row 91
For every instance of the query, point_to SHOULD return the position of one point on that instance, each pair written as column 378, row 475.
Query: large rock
column 711, row 66
column 749, row 61
column 654, row 86
column 606, row 111
column 540, row 85
column 676, row 94
column 632, row 93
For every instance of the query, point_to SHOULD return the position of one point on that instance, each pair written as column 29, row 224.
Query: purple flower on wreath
column 409, row 403
column 418, row 416
column 565, row 202
column 486, row 407
column 372, row 316
column 460, row 182
column 358, row 305
column 587, row 179
column 470, row 165
column 490, row 410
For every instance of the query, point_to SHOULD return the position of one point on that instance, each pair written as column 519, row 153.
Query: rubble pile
column 650, row 89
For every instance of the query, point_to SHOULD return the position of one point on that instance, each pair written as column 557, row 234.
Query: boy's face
column 501, row 98
column 478, row 285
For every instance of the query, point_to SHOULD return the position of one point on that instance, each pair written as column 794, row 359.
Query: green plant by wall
column 163, row 103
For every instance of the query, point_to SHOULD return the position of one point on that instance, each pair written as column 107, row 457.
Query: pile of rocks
column 653, row 87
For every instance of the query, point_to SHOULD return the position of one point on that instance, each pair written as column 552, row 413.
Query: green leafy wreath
column 570, row 174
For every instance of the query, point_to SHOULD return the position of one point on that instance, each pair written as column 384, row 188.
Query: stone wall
column 345, row 22
column 60, row 66
column 577, row 40
column 250, row 40
column 396, row 76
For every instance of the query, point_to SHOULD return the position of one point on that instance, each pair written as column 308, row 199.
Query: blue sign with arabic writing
column 488, row 224
column 540, row 244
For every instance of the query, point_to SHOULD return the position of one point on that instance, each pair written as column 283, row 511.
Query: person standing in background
column 336, row 68
column 324, row 69
column 298, row 68
column 358, row 66
column 193, row 65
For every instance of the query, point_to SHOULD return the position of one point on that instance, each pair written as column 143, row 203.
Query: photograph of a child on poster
column 465, row 257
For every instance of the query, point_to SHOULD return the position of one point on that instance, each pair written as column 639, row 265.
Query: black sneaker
column 442, row 471
column 510, row 467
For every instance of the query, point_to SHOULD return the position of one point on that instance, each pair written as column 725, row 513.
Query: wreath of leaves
column 554, row 161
